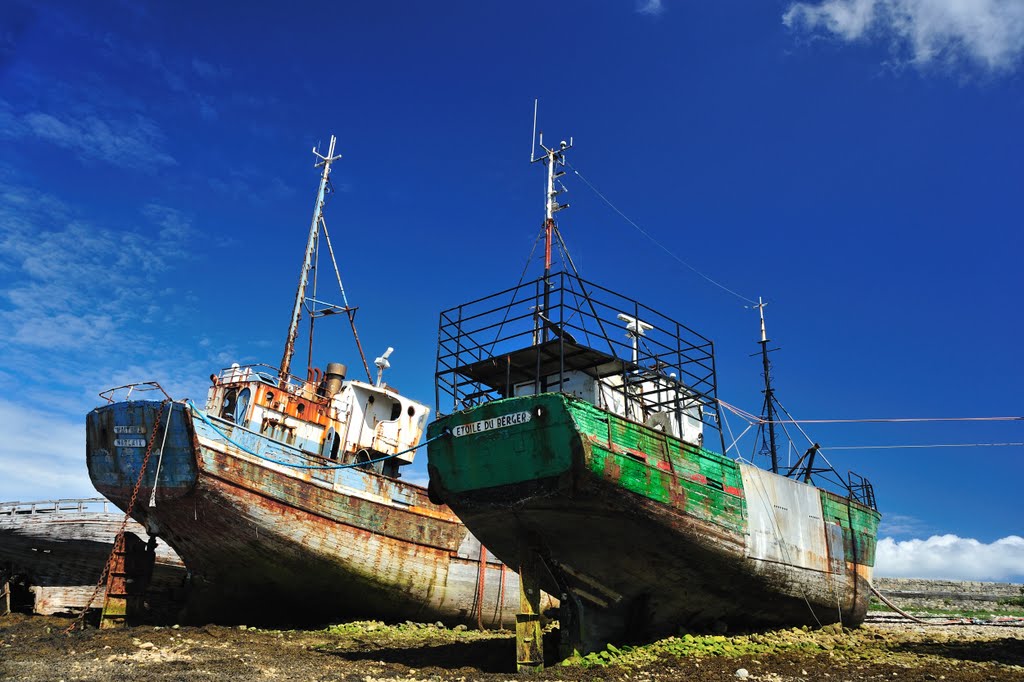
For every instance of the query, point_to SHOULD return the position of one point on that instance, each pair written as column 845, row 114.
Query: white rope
column 160, row 457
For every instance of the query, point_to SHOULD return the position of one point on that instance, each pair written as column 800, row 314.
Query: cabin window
column 227, row 405
column 299, row 409
column 396, row 411
column 242, row 405
column 270, row 398
column 411, row 411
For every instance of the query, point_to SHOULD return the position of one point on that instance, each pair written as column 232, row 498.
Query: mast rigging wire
column 655, row 241
column 872, row 420
column 938, row 445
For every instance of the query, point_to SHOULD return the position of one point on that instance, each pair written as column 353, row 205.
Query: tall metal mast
column 553, row 158
column 769, row 395
column 314, row 230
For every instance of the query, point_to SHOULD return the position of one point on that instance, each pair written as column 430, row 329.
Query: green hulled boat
column 577, row 453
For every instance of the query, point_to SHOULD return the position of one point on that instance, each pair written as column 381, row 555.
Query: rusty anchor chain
column 119, row 538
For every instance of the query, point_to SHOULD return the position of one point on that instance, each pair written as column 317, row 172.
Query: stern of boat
column 118, row 438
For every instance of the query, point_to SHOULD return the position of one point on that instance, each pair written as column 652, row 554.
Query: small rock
column 460, row 628
column 439, row 624
column 147, row 645
column 242, row 627
column 742, row 674
column 175, row 627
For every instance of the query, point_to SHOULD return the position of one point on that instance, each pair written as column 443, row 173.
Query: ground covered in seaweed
column 36, row 648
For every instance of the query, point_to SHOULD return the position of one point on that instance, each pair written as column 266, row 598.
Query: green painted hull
column 642, row 533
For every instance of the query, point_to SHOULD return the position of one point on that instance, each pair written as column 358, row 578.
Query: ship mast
column 553, row 158
column 314, row 230
column 769, row 394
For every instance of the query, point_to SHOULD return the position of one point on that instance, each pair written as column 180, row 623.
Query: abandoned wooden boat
column 571, row 439
column 52, row 553
column 283, row 494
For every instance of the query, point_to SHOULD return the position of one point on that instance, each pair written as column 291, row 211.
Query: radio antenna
column 533, row 136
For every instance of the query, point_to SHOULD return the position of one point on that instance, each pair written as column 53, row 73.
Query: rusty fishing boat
column 53, row 551
column 283, row 494
column 572, row 438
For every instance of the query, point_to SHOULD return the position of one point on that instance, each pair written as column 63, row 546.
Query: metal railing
column 81, row 505
column 540, row 331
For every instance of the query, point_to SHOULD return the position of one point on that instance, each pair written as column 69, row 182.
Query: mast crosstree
column 308, row 264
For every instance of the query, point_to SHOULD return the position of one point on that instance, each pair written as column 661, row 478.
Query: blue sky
column 858, row 163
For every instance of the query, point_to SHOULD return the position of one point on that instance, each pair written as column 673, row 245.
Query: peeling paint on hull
column 268, row 542
column 646, row 533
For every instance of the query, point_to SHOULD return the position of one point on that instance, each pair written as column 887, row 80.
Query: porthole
column 411, row 411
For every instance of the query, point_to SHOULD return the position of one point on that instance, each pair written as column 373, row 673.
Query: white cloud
column 209, row 71
column 45, row 455
column 989, row 33
column 132, row 143
column 952, row 558
column 650, row 7
column 73, row 285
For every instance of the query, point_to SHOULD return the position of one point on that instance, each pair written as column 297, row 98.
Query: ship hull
column 266, row 540
column 643, row 533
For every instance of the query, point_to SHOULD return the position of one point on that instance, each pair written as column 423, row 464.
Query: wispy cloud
column 987, row 33
column 650, row 7
column 45, row 454
column 73, row 285
column 209, row 71
column 952, row 558
column 84, row 307
column 902, row 525
column 130, row 143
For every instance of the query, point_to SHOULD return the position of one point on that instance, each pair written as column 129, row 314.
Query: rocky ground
column 36, row 648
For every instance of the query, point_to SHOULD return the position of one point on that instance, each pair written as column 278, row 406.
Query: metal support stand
column 529, row 642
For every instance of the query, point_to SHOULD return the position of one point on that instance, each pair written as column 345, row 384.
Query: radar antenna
column 554, row 158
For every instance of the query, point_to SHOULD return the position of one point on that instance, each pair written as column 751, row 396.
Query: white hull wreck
column 52, row 553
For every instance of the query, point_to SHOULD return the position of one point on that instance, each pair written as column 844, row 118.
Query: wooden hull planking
column 267, row 541
column 60, row 548
column 645, row 533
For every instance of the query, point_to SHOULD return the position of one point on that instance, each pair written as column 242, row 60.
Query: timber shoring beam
column 529, row 642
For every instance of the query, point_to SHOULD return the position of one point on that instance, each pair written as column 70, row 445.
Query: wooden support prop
column 5, row 593
column 529, row 642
